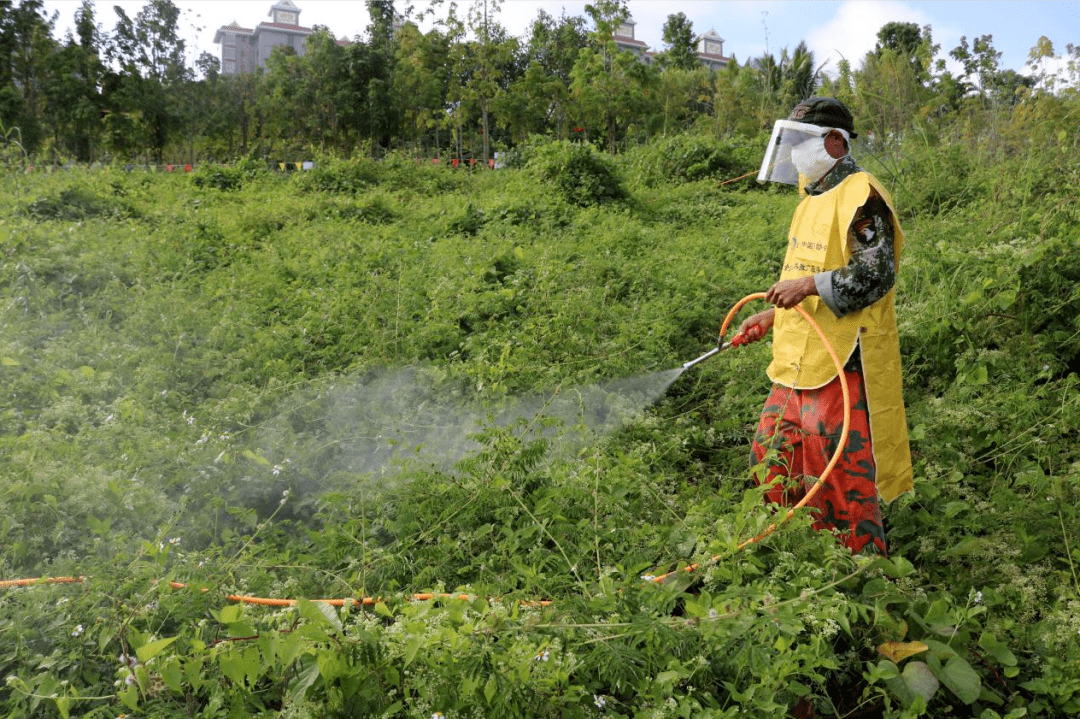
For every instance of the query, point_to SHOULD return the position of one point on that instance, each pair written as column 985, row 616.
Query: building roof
column 625, row 40
column 287, row 28
column 233, row 27
column 282, row 5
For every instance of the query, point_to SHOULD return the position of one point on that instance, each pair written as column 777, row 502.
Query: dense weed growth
column 291, row 386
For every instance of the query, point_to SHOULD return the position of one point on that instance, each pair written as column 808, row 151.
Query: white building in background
column 710, row 46
column 710, row 50
column 624, row 39
column 246, row 49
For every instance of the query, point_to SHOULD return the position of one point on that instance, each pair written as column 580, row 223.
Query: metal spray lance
column 738, row 339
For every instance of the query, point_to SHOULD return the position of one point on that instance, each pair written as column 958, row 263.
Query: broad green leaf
column 320, row 613
column 997, row 649
column 232, row 666
column 916, row 682
column 412, row 646
column 939, row 649
column 172, row 675
column 229, row 614
column 961, row 679
column 964, row 547
column 150, row 650
column 1005, row 299
column 256, row 458
column 130, row 697
column 304, row 679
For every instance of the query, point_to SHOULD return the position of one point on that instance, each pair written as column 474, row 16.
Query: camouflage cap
column 824, row 112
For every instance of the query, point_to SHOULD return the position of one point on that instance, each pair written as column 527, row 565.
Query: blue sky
column 830, row 28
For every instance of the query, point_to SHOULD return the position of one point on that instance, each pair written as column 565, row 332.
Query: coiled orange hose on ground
column 422, row 597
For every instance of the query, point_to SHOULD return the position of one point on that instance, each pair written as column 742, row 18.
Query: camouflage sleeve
column 871, row 271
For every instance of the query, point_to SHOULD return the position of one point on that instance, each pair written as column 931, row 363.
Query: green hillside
column 375, row 379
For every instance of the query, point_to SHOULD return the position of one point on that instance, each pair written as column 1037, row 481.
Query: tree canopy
column 463, row 88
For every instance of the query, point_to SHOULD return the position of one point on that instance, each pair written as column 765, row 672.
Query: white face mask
column 812, row 159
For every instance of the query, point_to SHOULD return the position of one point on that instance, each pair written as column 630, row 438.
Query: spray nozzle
column 707, row 355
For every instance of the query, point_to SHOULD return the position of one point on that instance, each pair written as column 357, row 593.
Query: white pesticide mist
column 368, row 428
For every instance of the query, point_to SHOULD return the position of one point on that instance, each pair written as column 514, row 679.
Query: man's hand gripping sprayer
column 744, row 336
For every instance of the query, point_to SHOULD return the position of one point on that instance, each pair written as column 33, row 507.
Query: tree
column 284, row 100
column 907, row 40
column 890, row 95
column 900, row 37
column 735, row 101
column 420, row 82
column 679, row 51
column 800, row 77
column 208, row 65
column 73, row 98
column 326, row 71
column 372, row 77
column 680, row 97
column 610, row 87
column 537, row 101
column 150, row 53
column 607, row 16
column 980, row 62
column 25, row 46
column 490, row 55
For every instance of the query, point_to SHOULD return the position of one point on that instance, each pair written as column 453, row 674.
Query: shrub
column 686, row 158
column 342, row 177
column 582, row 175
column 229, row 177
column 77, row 203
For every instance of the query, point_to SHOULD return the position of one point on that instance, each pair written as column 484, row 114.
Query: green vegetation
column 383, row 377
column 290, row 385
column 463, row 90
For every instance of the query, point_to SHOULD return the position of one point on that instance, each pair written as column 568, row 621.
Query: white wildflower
column 77, row 630
column 599, row 701
column 542, row 656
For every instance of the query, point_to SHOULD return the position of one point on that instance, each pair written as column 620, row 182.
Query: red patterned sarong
column 809, row 423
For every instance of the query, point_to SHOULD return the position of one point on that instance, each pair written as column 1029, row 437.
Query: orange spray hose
column 828, row 468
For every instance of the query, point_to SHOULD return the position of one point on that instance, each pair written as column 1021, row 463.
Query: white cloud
column 853, row 31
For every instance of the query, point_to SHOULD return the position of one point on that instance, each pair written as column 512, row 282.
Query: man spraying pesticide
column 843, row 252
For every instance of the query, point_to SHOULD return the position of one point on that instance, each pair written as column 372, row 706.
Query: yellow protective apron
column 818, row 242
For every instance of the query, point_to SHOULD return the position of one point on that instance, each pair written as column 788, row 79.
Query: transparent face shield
column 777, row 166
